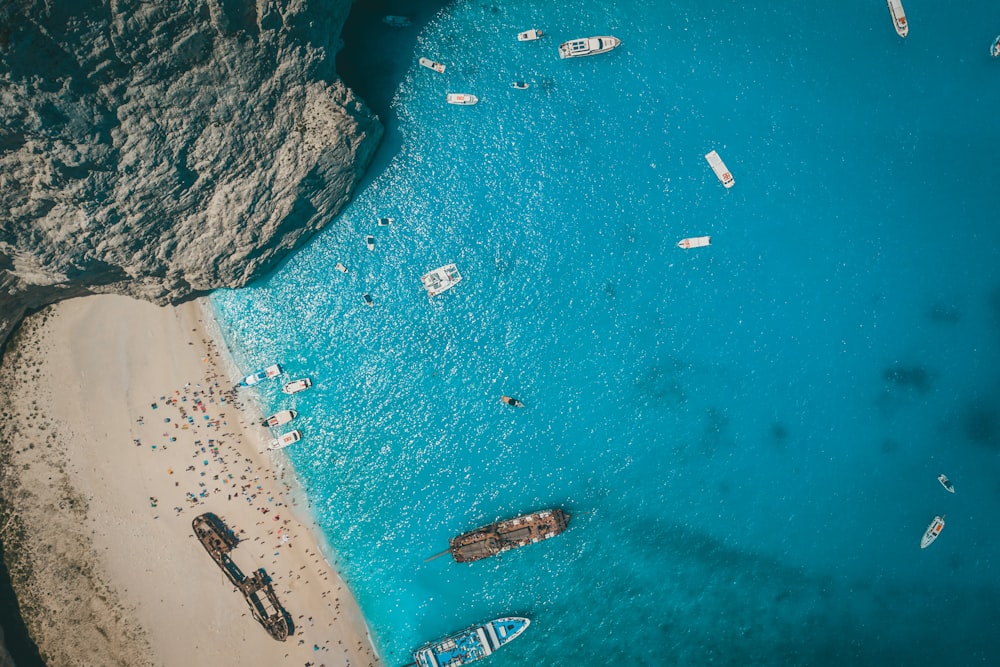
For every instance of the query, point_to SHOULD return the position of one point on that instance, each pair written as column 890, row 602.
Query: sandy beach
column 121, row 424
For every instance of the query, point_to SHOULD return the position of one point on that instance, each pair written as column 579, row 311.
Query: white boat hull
column 463, row 99
column 287, row 439
column 430, row 64
column 695, row 242
column 932, row 532
column 529, row 35
column 898, row 17
column 720, row 169
column 588, row 46
column 295, row 386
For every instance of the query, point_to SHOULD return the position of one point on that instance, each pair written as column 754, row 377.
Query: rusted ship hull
column 508, row 534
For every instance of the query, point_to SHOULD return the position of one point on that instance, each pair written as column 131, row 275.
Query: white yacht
column 898, row 17
column 462, row 98
column 932, row 532
column 588, row 46
column 441, row 279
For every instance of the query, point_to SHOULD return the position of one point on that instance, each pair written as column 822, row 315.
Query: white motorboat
column 430, row 64
column 266, row 374
column 279, row 418
column 720, row 169
column 529, row 35
column 295, row 386
column 462, row 98
column 588, row 46
column 932, row 532
column 694, row 242
column 520, row 85
column 946, row 483
column 898, row 17
column 441, row 279
column 340, row 267
column 287, row 439
column 370, row 241
column 367, row 298
column 995, row 47
column 397, row 21
column 385, row 222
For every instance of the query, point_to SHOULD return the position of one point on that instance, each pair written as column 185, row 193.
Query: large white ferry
column 720, row 169
column 588, row 46
column 932, row 532
column 898, row 17
column 471, row 644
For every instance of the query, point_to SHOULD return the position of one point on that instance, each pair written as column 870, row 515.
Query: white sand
column 98, row 364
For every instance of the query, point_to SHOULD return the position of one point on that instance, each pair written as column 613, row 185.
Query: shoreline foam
column 100, row 489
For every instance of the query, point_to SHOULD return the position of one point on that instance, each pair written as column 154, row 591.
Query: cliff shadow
column 376, row 57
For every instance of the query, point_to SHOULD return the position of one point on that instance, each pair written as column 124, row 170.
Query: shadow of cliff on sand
column 374, row 60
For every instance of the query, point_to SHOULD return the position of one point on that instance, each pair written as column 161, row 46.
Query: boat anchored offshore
column 946, row 483
column 266, row 374
column 588, row 46
column 529, row 35
column 471, row 644
column 898, row 17
column 463, row 99
column 295, row 386
column 932, row 532
column 720, row 169
column 995, row 47
column 279, row 418
column 430, row 64
column 694, row 242
column 441, row 279
column 508, row 534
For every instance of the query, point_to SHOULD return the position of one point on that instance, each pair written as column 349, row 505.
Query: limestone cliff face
column 162, row 149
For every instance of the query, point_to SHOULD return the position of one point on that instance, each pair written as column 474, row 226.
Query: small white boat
column 430, row 64
column 588, row 46
column 529, row 35
column 286, row 439
column 397, row 21
column 995, row 47
column 385, row 222
column 279, row 418
column 946, row 483
column 462, row 98
column 520, row 85
column 266, row 374
column 370, row 242
column 898, row 17
column 694, row 242
column 367, row 298
column 441, row 279
column 932, row 532
column 720, row 169
column 295, row 386
column 340, row 267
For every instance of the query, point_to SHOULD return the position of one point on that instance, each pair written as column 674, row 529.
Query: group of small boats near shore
column 219, row 541
column 283, row 416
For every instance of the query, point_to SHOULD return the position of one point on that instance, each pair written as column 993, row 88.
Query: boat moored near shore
column 471, row 644
column 272, row 371
column 295, row 386
column 283, row 441
column 898, row 17
column 279, row 418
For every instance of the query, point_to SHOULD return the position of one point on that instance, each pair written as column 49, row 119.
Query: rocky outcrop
column 163, row 149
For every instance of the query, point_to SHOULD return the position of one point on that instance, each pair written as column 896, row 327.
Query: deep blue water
column 748, row 435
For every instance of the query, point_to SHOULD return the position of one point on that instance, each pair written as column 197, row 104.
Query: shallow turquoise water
column 748, row 435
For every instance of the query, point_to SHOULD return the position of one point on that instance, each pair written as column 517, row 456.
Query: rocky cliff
column 163, row 149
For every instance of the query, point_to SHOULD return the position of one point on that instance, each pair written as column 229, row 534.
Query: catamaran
column 588, row 46
column 441, row 279
column 932, row 532
column 266, row 374
column 471, row 644
column 898, row 17
column 720, row 169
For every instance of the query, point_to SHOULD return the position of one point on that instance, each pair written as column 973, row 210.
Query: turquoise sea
column 748, row 435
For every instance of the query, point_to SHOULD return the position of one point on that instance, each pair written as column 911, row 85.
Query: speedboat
column 370, row 242
column 430, row 64
column 511, row 401
column 397, row 21
column 462, row 98
column 279, row 418
column 471, row 644
column 520, row 85
column 441, row 279
column 529, row 35
column 266, row 374
column 340, row 267
column 720, row 169
column 385, row 222
column 694, row 242
column 946, row 483
column 995, row 48
column 898, row 17
column 588, row 46
column 295, row 386
column 932, row 532
column 367, row 298
column 286, row 439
